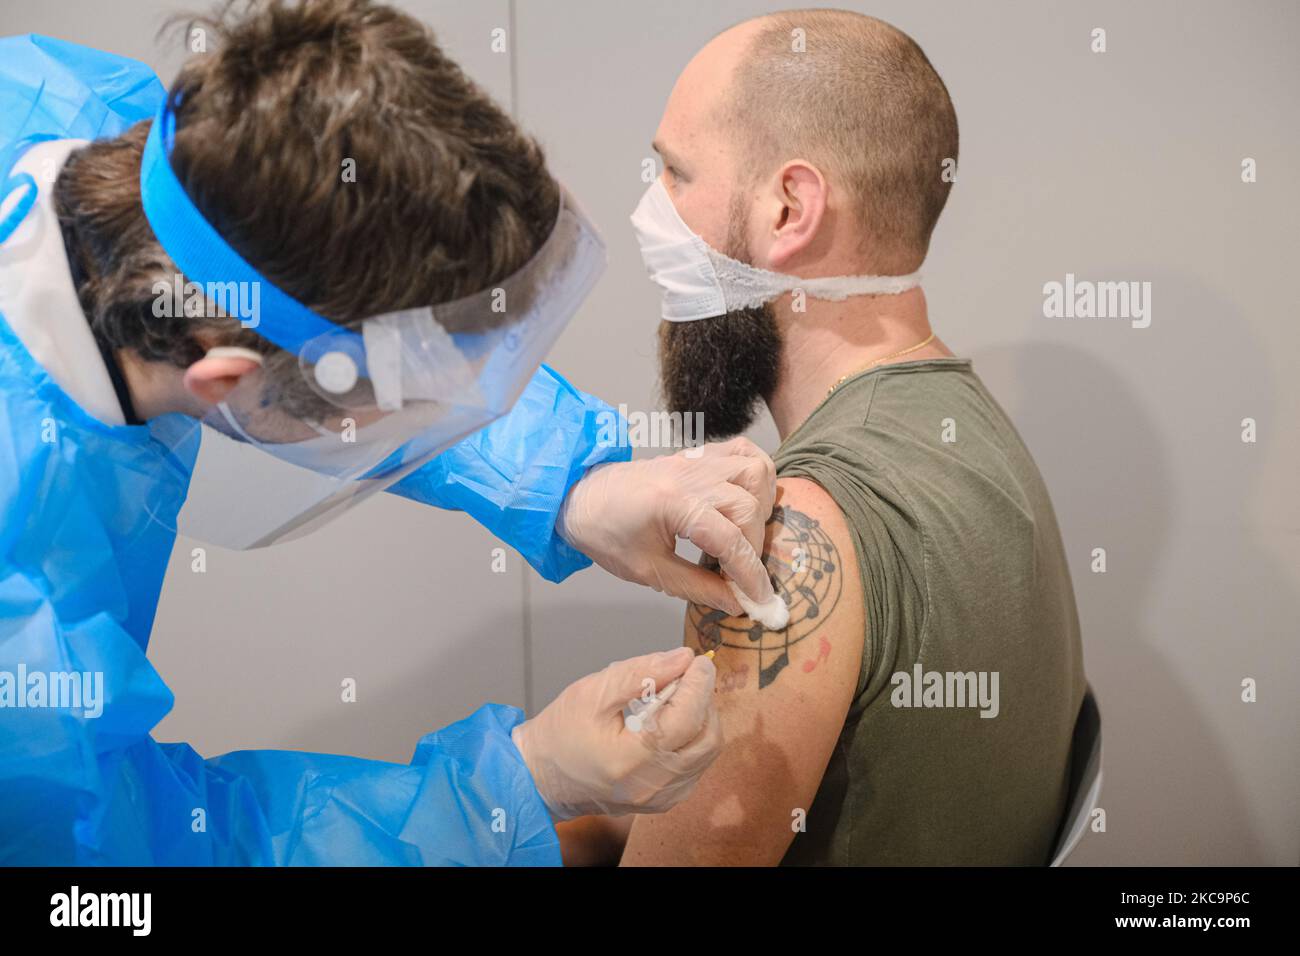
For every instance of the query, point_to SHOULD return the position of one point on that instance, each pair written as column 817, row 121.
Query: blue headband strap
column 205, row 258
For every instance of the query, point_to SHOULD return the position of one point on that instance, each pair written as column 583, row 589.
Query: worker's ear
column 214, row 376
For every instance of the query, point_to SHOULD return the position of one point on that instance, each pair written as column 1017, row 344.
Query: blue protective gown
column 84, row 545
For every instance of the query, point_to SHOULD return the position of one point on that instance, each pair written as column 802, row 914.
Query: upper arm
column 782, row 695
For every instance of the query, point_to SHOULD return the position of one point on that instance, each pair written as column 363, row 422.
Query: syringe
column 639, row 713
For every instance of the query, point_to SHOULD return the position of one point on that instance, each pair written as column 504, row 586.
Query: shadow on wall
column 1164, row 611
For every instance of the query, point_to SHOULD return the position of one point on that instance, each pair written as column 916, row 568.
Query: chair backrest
column 1085, row 778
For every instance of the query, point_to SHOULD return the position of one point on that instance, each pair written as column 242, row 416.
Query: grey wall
column 1115, row 166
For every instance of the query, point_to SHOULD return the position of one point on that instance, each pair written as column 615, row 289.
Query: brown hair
column 449, row 197
column 862, row 98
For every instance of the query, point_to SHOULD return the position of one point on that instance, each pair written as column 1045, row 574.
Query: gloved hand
column 584, row 760
column 627, row 517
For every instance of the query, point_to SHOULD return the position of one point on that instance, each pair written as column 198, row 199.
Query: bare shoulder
column 782, row 695
column 809, row 555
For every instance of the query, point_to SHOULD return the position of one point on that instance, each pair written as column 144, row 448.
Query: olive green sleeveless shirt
column 964, row 577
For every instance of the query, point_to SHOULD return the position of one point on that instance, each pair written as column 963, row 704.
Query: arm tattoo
column 805, row 571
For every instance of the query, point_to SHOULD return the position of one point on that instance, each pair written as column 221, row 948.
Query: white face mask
column 699, row 282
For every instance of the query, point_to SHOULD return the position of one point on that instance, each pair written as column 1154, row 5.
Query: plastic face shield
column 388, row 396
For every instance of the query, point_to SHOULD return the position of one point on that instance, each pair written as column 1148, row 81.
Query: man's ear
column 212, row 377
column 801, row 191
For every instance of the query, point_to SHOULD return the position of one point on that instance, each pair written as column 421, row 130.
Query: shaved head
column 859, row 98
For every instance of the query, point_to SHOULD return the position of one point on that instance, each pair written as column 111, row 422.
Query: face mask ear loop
column 233, row 422
column 234, row 351
column 322, row 430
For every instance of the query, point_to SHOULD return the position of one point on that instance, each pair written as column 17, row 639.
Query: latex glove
column 584, row 760
column 627, row 517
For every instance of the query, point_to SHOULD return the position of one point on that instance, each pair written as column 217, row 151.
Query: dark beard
column 722, row 367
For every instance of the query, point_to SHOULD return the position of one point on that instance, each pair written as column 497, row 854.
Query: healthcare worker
column 440, row 401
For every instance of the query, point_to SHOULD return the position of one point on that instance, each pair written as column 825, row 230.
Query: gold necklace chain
column 893, row 355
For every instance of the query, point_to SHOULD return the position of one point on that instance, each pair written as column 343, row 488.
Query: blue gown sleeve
column 512, row 476
column 82, row 782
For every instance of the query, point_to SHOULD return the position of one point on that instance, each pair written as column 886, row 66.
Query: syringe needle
column 637, row 712
column 641, row 712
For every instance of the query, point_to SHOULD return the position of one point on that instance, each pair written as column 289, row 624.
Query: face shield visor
column 376, row 400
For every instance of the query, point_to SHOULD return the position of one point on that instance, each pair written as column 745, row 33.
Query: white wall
column 1117, row 166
